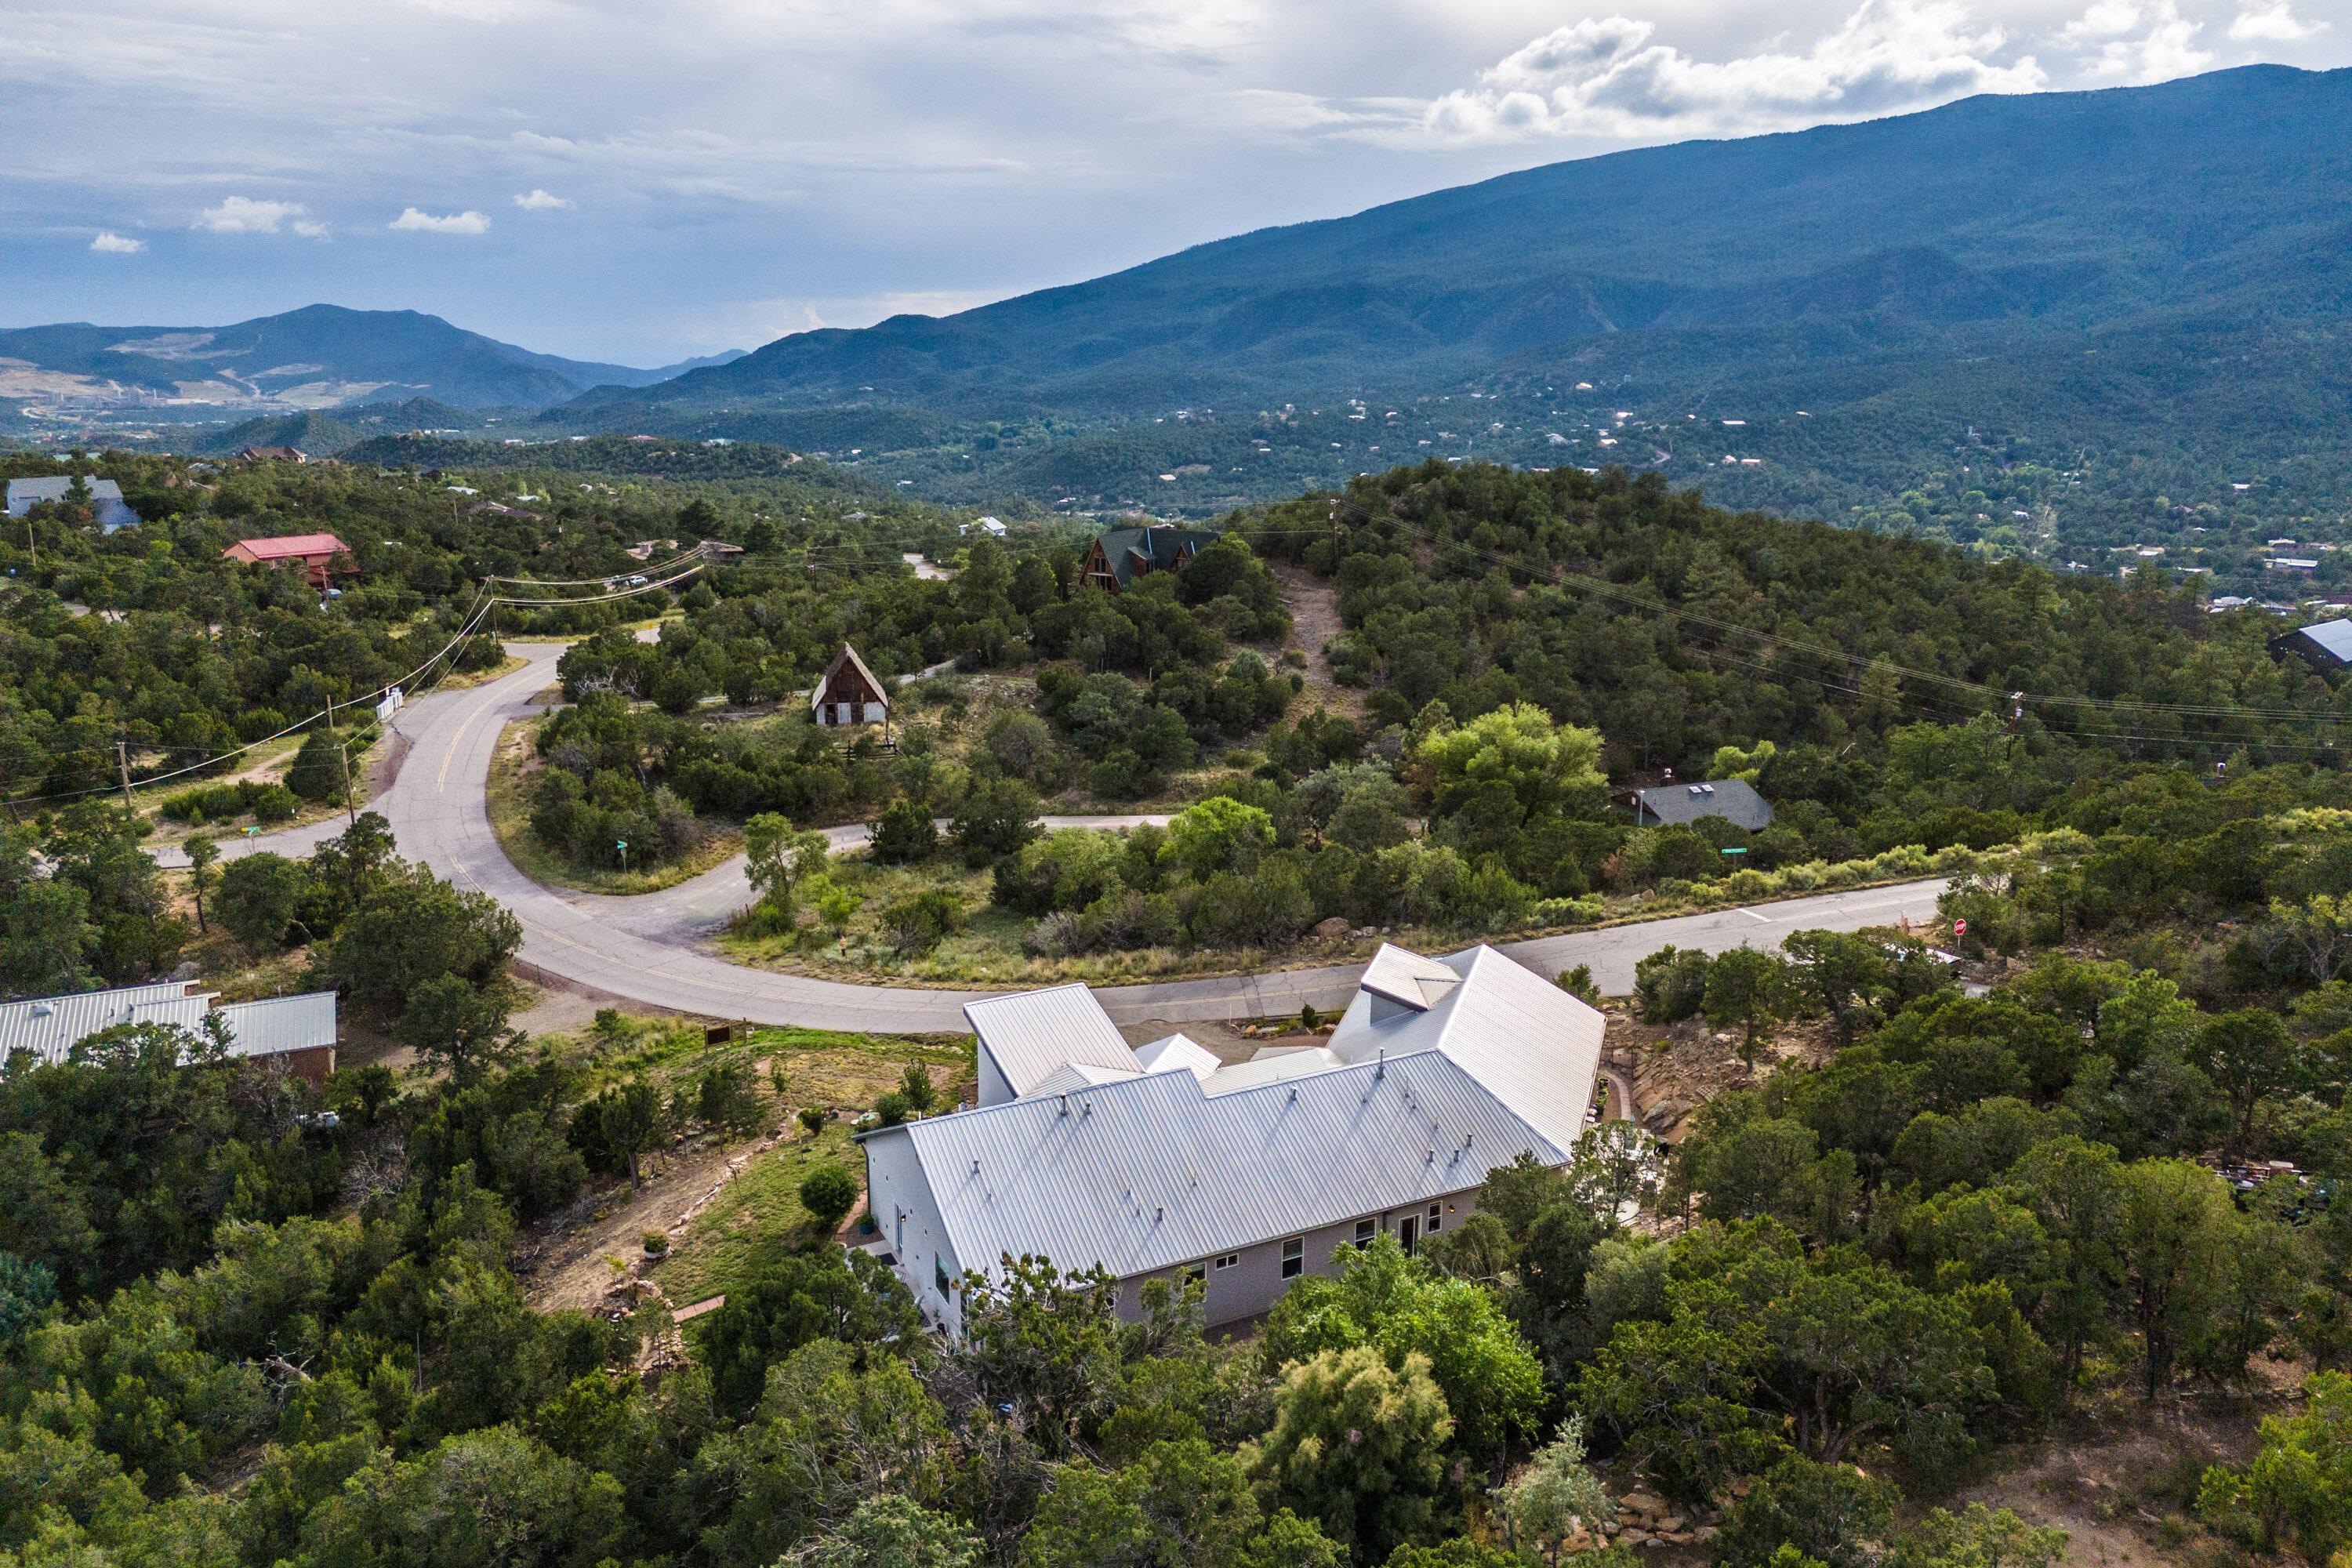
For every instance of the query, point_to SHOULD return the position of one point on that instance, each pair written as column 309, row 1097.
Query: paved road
column 647, row 949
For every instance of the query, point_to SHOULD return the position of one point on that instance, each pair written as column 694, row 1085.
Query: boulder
column 1331, row 929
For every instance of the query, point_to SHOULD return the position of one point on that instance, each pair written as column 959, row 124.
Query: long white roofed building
column 1162, row 1161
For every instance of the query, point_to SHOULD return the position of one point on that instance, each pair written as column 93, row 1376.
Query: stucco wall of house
column 1254, row 1283
column 994, row 1089
column 901, row 1203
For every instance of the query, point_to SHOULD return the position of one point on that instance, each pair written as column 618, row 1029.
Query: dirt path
column 567, row 1266
column 1315, row 621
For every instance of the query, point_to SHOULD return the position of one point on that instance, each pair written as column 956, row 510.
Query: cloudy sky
column 614, row 179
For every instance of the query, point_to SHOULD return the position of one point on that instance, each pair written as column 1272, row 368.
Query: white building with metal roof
column 1163, row 1162
column 299, row 1030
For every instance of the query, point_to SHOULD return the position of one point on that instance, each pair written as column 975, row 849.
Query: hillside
column 316, row 357
column 2144, row 286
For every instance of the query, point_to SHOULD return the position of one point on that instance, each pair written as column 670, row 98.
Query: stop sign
column 1959, row 928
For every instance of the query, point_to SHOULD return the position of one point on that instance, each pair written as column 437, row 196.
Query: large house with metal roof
column 316, row 554
column 1121, row 555
column 1163, row 1161
column 106, row 502
column 2326, row 645
column 296, row 1032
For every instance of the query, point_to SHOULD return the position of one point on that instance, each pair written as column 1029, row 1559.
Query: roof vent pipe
column 1382, row 1071
column 975, row 1167
column 1065, row 1105
column 1159, row 1214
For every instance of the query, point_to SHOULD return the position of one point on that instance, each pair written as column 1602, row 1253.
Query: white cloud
column 1603, row 77
column 541, row 201
column 242, row 214
column 309, row 230
column 2271, row 22
column 467, row 222
column 113, row 244
column 2137, row 41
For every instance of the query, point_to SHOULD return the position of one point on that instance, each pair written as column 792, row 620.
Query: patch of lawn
column 758, row 1216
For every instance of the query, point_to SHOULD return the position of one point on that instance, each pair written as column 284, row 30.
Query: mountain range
column 1988, row 222
column 316, row 357
column 2031, row 321
column 2008, row 320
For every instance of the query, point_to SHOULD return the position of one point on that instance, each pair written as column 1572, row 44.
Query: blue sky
column 637, row 182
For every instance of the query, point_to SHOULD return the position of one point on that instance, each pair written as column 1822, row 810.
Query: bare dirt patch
column 2120, row 1476
column 569, row 1260
column 1314, row 621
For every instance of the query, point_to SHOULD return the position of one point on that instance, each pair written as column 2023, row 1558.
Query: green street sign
column 1734, row 852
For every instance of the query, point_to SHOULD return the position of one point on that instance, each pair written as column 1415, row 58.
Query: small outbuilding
column 2326, row 645
column 297, row 1033
column 1734, row 800
column 848, row 693
column 272, row 454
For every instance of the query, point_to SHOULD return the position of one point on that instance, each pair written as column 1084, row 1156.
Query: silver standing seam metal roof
column 50, row 1026
column 1531, row 1044
column 1150, row 1172
column 1031, row 1033
column 1144, row 1172
column 2333, row 638
column 281, row 1023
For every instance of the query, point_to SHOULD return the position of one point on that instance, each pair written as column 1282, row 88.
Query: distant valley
column 2050, row 325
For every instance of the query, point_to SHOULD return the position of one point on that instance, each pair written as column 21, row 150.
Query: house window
column 1365, row 1229
column 1294, row 1257
column 1435, row 1211
column 940, row 1273
column 1195, row 1273
column 1230, row 1260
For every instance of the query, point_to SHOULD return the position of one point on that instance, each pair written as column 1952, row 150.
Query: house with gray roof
column 298, row 1032
column 1163, row 1162
column 2326, row 645
column 105, row 499
column 1734, row 800
column 1119, row 556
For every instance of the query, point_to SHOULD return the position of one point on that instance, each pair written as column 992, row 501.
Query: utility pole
column 349, row 811
column 122, row 760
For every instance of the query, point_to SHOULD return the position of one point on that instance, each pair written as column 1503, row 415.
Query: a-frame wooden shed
column 848, row 693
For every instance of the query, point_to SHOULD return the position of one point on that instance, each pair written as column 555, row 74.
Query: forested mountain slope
column 1974, row 222
column 2127, row 302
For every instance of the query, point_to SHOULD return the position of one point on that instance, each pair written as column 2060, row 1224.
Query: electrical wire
column 464, row 632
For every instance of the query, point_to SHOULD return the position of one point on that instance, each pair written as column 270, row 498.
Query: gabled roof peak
column 1406, row 978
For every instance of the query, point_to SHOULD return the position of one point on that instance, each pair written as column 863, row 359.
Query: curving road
column 648, row 948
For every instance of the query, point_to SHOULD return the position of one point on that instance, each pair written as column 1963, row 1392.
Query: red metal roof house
column 315, row 552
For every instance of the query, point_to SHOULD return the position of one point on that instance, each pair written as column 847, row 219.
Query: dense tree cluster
column 147, row 636
column 1161, row 686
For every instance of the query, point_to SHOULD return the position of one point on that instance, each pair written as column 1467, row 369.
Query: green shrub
column 920, row 923
column 1671, row 985
column 828, row 1192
